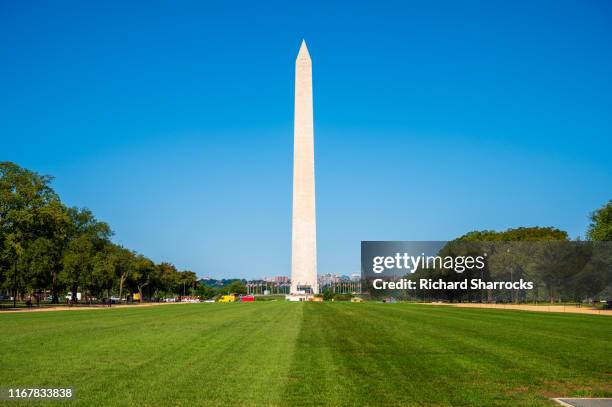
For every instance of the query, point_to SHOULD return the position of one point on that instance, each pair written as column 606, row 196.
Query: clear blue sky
column 173, row 120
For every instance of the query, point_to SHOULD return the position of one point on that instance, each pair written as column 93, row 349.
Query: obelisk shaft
column 304, row 229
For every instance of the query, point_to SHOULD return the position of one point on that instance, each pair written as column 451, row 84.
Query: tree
column 235, row 287
column 144, row 273
column 42, row 256
column 124, row 265
column 535, row 233
column 512, row 254
column 88, row 236
column 600, row 228
column 169, row 277
column 328, row 295
column 26, row 201
column 205, row 292
column 188, row 280
column 107, row 267
column 46, row 245
column 38, row 262
column 78, row 264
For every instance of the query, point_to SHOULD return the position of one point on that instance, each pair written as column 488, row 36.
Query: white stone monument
column 304, row 225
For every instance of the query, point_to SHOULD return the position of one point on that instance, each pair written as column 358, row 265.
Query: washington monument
column 304, row 225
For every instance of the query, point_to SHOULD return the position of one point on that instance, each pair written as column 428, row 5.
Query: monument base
column 299, row 297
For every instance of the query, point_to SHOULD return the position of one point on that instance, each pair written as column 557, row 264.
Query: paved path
column 584, row 402
column 538, row 308
column 85, row 307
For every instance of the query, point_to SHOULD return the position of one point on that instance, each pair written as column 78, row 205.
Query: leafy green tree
column 520, row 234
column 189, row 280
column 600, row 228
column 42, row 256
column 109, row 265
column 124, row 266
column 169, row 278
column 88, row 236
column 235, row 287
column 205, row 292
column 28, row 206
column 511, row 256
column 328, row 295
column 38, row 261
column 45, row 245
column 145, row 273
column 78, row 264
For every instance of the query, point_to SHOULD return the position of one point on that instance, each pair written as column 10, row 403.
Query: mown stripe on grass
column 399, row 354
column 207, row 354
column 511, row 359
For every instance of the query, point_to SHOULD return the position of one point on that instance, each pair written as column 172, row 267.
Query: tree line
column 561, row 269
column 49, row 247
column 209, row 288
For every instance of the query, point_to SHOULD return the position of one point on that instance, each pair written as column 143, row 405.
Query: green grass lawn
column 279, row 353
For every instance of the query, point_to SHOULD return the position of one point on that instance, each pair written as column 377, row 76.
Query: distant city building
column 277, row 279
column 341, row 284
column 326, row 279
column 268, row 286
